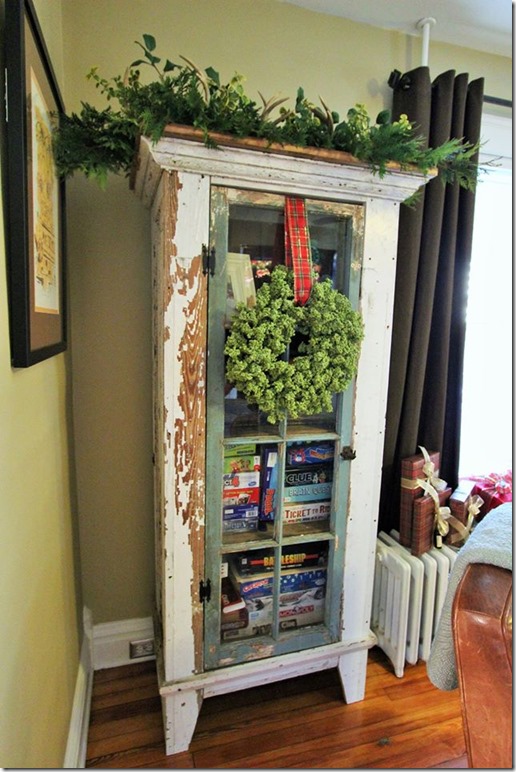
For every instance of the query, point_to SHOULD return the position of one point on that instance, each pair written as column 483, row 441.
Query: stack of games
column 302, row 590
column 241, row 488
column 308, row 481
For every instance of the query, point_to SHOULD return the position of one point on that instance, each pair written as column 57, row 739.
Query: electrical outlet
column 143, row 648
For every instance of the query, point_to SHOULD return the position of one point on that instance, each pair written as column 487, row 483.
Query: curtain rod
column 498, row 101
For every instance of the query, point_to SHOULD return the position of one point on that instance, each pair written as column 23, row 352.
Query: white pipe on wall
column 425, row 25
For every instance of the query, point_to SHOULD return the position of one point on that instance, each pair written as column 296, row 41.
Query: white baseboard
column 111, row 641
column 75, row 755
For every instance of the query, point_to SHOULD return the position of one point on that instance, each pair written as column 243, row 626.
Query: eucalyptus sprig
column 97, row 142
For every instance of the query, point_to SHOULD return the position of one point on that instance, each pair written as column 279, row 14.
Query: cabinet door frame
column 217, row 653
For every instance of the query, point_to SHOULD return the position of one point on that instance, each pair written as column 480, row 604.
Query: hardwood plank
column 124, row 671
column 125, row 684
column 125, row 710
column 298, row 723
column 151, row 756
column 351, row 731
column 121, row 698
column 459, row 763
column 125, row 725
column 138, row 738
column 339, row 753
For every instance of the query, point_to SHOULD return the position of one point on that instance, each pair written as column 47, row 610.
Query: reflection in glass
column 247, row 594
column 255, row 247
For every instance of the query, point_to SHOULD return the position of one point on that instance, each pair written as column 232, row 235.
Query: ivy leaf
column 383, row 117
column 196, row 97
column 152, row 59
column 213, row 74
column 150, row 42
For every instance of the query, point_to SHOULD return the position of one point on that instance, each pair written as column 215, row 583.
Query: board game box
column 295, row 610
column 269, row 483
column 302, row 494
column 261, row 584
column 309, row 453
column 292, row 556
column 306, row 513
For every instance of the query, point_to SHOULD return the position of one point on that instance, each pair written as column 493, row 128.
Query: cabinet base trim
column 250, row 674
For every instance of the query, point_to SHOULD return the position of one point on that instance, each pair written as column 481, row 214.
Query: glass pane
column 242, row 420
column 303, row 585
column 255, row 245
column 249, row 504
column 247, row 588
column 258, row 233
column 256, row 236
column 308, row 487
column 241, row 490
column 308, row 477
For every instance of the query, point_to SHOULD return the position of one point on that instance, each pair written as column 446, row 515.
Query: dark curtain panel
column 434, row 252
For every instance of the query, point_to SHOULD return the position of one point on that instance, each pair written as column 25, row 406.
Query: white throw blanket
column 490, row 542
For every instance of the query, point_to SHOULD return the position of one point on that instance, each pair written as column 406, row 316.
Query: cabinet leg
column 352, row 671
column 180, row 714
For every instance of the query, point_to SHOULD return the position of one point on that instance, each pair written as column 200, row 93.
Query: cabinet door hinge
column 208, row 260
column 347, row 453
column 204, row 591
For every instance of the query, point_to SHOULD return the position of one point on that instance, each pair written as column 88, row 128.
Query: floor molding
column 111, row 641
column 76, row 746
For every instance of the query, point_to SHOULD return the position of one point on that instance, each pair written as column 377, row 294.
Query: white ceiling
column 484, row 25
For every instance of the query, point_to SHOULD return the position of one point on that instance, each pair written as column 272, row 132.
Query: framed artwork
column 35, row 194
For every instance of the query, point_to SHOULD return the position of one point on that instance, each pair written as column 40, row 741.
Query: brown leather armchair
column 482, row 638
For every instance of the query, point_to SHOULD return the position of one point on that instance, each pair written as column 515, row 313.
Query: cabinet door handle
column 348, row 453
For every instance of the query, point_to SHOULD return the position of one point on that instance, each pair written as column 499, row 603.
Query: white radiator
column 408, row 597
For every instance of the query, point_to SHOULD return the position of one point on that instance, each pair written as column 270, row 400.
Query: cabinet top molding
column 255, row 164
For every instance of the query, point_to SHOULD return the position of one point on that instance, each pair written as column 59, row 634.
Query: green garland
column 328, row 333
column 97, row 142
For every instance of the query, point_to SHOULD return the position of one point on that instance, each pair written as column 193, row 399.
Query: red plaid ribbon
column 298, row 253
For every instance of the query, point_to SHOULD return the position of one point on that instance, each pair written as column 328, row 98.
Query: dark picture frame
column 35, row 194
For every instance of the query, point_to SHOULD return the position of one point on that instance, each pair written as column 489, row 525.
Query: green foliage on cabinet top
column 322, row 339
column 96, row 142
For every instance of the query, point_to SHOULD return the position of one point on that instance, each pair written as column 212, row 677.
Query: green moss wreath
column 327, row 333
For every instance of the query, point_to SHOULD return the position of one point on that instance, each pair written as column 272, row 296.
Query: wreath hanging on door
column 289, row 359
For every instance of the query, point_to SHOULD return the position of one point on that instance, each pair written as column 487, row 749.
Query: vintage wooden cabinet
column 302, row 580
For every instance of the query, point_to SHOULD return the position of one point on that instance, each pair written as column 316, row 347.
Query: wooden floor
column 301, row 723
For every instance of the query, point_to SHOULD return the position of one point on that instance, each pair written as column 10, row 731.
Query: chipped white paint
column 377, row 293
column 176, row 290
column 184, row 683
column 257, row 672
column 307, row 177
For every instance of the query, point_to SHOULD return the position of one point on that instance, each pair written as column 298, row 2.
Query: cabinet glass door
column 276, row 494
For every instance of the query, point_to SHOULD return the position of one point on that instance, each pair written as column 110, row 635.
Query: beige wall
column 278, row 47
column 39, row 643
